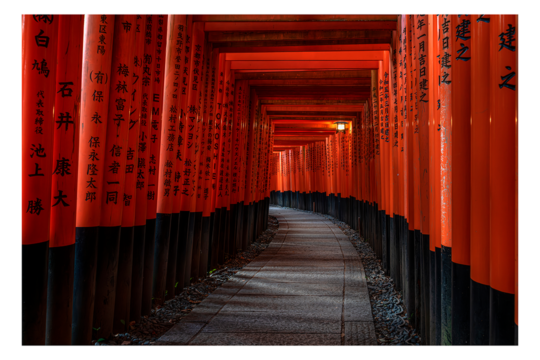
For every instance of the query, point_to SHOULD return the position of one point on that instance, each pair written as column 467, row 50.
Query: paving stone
column 271, row 287
column 360, row 333
column 266, row 339
column 182, row 332
column 330, row 305
column 271, row 322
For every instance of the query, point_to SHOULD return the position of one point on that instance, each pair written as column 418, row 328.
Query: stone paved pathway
column 307, row 288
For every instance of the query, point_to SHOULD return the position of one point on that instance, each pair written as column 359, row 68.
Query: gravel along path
column 162, row 318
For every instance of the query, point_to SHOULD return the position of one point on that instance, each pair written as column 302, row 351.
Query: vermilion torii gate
column 153, row 146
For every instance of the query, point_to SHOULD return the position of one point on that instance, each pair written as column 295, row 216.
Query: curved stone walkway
column 307, row 288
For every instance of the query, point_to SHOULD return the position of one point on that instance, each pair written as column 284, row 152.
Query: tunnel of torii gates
column 152, row 146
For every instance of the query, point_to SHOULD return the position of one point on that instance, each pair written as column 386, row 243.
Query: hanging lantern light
column 340, row 126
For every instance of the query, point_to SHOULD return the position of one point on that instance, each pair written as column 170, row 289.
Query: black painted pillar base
column 214, row 243
column 123, row 282
column 240, row 227
column 205, row 242
column 461, row 295
column 438, row 310
column 425, row 287
column 446, row 295
column 432, row 300
column 244, row 225
column 188, row 256
column 161, row 255
column 172, row 257
column 183, row 225
column 137, row 273
column 392, row 251
column 196, row 254
column 418, row 283
column 84, row 284
column 35, row 261
column 233, row 220
column 210, row 235
column 149, row 243
column 60, row 295
column 106, row 278
column 410, row 297
column 501, row 318
column 384, row 242
column 479, row 322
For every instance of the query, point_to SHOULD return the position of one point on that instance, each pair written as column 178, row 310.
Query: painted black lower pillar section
column 214, row 243
column 84, row 284
column 123, row 282
column 393, row 254
column 438, row 300
column 243, row 228
column 196, row 253
column 189, row 249
column 240, row 227
column 501, row 318
column 149, row 241
column 183, row 224
column 172, row 257
column 432, row 300
column 479, row 321
column 384, row 242
column 233, row 218
column 161, row 253
column 106, row 278
column 418, row 320
column 137, row 273
column 35, row 261
column 446, row 295
column 60, row 295
column 205, row 246
column 425, row 288
column 461, row 295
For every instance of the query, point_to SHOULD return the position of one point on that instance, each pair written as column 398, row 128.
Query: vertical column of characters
column 96, row 78
column 203, row 103
column 399, row 112
column 446, row 176
column 161, row 287
column 209, row 140
column 376, row 136
column 64, row 187
column 144, row 234
column 40, row 41
column 236, row 157
column 127, row 234
column 480, row 182
column 204, row 152
column 461, row 178
column 156, row 100
column 115, row 157
column 382, row 166
column 228, row 103
column 503, row 106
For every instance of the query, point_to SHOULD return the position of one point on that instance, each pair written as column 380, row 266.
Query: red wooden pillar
column 182, row 222
column 446, row 51
column 114, row 150
column 40, row 40
column 156, row 101
column 96, row 82
column 423, row 66
column 127, row 235
column 143, row 167
column 64, row 188
column 480, row 181
column 461, row 178
column 503, row 107
column 176, row 28
column 192, row 122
